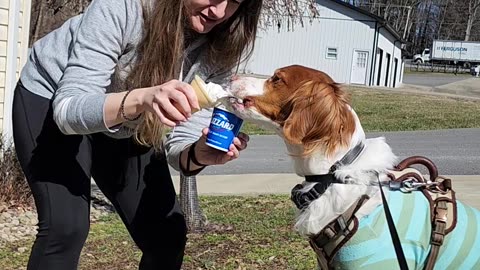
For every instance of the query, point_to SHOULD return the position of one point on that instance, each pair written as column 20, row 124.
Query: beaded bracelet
column 122, row 109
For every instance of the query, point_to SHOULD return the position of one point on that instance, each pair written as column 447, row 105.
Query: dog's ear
column 319, row 118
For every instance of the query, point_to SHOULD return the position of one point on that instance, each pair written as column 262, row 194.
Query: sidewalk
column 468, row 88
column 467, row 187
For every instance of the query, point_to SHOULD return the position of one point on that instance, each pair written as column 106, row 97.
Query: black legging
column 58, row 168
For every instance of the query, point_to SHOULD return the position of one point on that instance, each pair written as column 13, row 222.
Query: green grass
column 390, row 111
column 397, row 111
column 262, row 238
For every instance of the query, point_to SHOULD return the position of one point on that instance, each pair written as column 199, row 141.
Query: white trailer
column 465, row 53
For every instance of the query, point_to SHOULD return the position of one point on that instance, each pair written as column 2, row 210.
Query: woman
column 118, row 70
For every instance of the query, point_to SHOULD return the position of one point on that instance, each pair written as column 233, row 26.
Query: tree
column 49, row 15
column 277, row 12
column 422, row 21
column 473, row 16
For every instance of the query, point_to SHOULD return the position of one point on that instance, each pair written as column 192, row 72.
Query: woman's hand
column 210, row 156
column 171, row 102
column 207, row 155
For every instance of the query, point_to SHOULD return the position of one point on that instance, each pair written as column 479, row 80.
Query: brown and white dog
column 313, row 115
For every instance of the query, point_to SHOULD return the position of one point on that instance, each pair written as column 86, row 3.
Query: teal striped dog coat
column 371, row 246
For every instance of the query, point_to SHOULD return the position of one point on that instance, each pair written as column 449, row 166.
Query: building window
column 332, row 53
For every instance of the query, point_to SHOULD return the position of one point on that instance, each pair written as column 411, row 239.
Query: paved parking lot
column 433, row 79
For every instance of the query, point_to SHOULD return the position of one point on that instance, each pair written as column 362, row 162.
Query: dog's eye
column 275, row 78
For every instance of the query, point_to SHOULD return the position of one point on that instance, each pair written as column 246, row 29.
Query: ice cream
column 208, row 94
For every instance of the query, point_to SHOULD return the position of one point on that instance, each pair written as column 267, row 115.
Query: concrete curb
column 467, row 187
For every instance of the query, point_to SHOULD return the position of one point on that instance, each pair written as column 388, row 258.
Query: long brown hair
column 160, row 52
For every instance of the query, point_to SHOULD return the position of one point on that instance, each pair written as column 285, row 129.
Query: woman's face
column 206, row 14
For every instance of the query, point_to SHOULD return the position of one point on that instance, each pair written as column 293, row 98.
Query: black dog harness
column 303, row 198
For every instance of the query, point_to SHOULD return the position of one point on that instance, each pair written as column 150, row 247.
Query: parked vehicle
column 463, row 53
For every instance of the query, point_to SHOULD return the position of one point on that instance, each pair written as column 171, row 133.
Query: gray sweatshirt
column 90, row 55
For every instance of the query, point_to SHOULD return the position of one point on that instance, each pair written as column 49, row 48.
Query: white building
column 353, row 46
column 14, row 29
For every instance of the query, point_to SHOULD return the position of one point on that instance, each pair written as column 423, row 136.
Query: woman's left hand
column 210, row 156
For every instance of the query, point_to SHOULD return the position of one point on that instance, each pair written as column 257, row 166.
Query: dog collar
column 349, row 157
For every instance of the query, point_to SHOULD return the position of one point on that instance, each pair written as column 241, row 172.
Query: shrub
column 14, row 190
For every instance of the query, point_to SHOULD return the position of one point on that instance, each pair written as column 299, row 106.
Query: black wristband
column 192, row 157
column 186, row 171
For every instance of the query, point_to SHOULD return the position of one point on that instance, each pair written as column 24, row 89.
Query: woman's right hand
column 172, row 101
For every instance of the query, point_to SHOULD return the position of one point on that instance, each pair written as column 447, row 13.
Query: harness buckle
column 303, row 199
column 395, row 185
column 343, row 225
column 441, row 212
column 441, row 215
column 312, row 194
column 296, row 196
column 334, row 167
column 410, row 185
